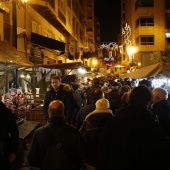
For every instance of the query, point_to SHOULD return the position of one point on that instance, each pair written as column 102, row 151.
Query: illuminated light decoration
column 126, row 31
column 109, row 51
column 108, row 59
column 110, row 45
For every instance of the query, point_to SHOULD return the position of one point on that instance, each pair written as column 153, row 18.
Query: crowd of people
column 103, row 124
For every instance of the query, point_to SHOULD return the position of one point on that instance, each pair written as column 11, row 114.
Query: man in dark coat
column 9, row 137
column 161, row 107
column 133, row 139
column 71, row 145
column 61, row 92
column 92, row 130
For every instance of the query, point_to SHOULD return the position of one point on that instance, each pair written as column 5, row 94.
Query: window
column 61, row 6
column 144, row 3
column 145, row 21
column 145, row 40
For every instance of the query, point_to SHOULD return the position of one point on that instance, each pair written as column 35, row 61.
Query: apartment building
column 48, row 31
column 149, row 22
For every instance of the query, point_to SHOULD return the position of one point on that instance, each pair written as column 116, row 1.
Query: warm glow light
column 132, row 50
column 22, row 75
column 24, row 1
column 94, row 61
column 82, row 70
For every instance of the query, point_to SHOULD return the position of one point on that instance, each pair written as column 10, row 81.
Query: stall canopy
column 149, row 71
column 11, row 58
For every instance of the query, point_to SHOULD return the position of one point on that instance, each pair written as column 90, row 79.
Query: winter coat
column 132, row 140
column 9, row 134
column 162, row 110
column 65, row 96
column 83, row 112
column 73, row 146
column 92, row 130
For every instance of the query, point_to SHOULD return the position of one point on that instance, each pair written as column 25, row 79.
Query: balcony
column 47, row 11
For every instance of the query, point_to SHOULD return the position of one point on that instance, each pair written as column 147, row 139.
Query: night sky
column 109, row 13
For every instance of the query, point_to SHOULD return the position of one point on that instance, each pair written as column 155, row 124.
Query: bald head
column 56, row 109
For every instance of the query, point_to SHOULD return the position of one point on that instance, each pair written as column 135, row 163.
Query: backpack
column 55, row 156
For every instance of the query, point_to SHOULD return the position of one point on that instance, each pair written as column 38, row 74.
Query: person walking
column 57, row 145
column 9, row 137
column 61, row 92
column 92, row 130
column 161, row 107
column 133, row 138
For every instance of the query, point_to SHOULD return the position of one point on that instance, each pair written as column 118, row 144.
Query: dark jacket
column 72, row 143
column 132, row 140
column 9, row 134
column 65, row 96
column 89, row 93
column 92, row 130
column 162, row 110
column 83, row 112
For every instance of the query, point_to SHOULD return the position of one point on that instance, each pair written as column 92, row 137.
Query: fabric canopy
column 149, row 71
column 11, row 58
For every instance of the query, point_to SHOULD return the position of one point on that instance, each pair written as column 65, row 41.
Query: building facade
column 149, row 22
column 48, row 31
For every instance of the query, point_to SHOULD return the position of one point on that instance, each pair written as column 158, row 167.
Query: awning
column 47, row 42
column 11, row 58
column 149, row 71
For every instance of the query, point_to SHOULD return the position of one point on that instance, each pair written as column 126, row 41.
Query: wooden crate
column 36, row 116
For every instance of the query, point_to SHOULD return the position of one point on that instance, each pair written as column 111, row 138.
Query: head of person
column 55, row 82
column 102, row 104
column 114, row 84
column 85, row 94
column 96, row 94
column 128, row 83
column 146, row 83
column 159, row 94
column 56, row 109
column 123, row 89
column 124, row 97
column 96, row 82
column 140, row 96
column 105, row 89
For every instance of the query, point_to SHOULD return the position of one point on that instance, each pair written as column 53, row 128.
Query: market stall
column 149, row 71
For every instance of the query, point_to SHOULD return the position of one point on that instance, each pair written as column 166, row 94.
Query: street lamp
column 131, row 51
